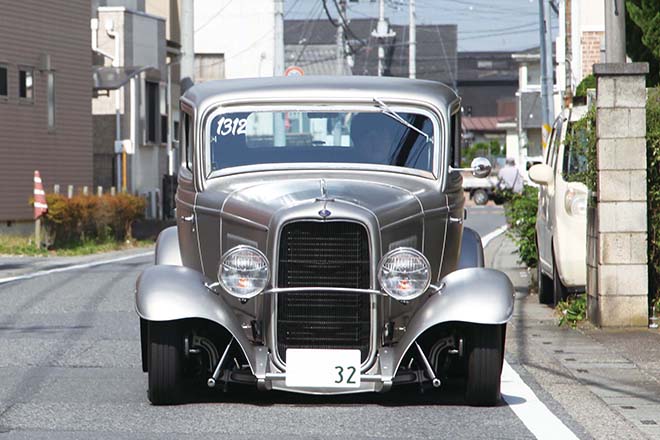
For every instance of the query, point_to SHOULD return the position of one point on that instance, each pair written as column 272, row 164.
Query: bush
column 91, row 218
column 520, row 213
column 653, row 189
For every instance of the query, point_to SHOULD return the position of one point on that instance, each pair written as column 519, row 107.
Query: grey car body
column 421, row 340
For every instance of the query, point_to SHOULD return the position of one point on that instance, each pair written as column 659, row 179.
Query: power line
column 214, row 16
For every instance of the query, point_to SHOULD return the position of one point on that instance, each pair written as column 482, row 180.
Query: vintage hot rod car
column 320, row 247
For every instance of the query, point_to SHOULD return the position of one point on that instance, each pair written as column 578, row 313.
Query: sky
column 487, row 25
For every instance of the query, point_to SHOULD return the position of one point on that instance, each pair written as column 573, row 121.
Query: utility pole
column 278, row 57
column 412, row 37
column 279, row 133
column 341, row 38
column 187, row 40
column 382, row 32
column 568, row 54
column 615, row 31
column 547, row 104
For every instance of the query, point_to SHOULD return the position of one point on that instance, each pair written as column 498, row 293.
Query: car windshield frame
column 361, row 107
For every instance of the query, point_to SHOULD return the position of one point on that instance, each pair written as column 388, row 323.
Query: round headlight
column 244, row 271
column 404, row 273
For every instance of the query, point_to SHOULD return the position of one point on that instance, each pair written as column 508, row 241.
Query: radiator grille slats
column 323, row 254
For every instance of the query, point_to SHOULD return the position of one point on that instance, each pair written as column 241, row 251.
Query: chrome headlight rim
column 229, row 253
column 393, row 253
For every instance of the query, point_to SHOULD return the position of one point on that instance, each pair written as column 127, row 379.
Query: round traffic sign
column 294, row 71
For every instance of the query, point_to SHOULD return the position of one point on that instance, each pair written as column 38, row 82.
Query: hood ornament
column 324, row 213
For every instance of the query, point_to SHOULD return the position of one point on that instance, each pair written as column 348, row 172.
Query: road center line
column 28, row 276
column 540, row 421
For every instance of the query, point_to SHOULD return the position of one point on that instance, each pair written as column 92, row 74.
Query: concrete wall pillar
column 618, row 271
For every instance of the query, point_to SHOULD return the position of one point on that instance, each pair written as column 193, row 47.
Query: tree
column 643, row 35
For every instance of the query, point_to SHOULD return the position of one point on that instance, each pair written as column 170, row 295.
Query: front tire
column 165, row 363
column 485, row 354
column 544, row 284
column 560, row 292
column 480, row 197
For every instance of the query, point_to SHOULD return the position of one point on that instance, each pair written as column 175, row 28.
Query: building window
column 3, row 81
column 152, row 111
column 163, row 114
column 25, row 83
column 209, row 66
column 51, row 100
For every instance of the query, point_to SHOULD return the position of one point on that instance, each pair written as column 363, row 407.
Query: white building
column 234, row 39
column 132, row 49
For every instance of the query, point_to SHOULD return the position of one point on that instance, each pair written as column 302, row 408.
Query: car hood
column 260, row 201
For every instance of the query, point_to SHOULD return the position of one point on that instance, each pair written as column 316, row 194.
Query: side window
column 455, row 152
column 557, row 142
column 187, row 138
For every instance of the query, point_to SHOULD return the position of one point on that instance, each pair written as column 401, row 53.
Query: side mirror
column 541, row 174
column 480, row 167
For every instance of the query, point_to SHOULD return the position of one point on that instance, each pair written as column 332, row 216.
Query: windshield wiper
column 386, row 110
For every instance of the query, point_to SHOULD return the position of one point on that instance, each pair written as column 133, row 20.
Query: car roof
column 320, row 88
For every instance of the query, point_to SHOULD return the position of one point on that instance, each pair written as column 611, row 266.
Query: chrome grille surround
column 324, row 254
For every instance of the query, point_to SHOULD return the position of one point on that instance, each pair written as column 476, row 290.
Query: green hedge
column 520, row 211
column 653, row 189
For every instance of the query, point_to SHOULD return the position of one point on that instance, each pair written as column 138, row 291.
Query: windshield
column 272, row 137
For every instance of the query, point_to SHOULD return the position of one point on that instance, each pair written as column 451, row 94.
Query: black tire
column 165, row 363
column 559, row 291
column 485, row 351
column 546, row 294
column 480, row 197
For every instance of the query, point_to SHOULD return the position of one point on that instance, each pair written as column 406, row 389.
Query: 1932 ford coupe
column 320, row 246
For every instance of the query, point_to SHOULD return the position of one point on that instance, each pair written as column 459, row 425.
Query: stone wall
column 617, row 249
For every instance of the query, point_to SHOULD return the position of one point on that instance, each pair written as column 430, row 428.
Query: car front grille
column 323, row 254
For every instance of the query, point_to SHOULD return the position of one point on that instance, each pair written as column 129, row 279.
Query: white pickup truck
column 481, row 190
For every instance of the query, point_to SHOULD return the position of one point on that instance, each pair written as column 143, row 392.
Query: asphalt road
column 70, row 368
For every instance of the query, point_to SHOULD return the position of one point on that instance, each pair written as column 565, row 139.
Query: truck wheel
column 480, row 197
column 485, row 353
column 165, row 363
column 560, row 292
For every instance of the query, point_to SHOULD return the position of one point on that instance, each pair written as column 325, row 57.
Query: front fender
column 167, row 247
column 474, row 295
column 168, row 293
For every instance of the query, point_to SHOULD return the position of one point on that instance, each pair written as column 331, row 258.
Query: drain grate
column 570, row 359
column 648, row 422
column 559, row 351
column 582, row 370
column 628, row 407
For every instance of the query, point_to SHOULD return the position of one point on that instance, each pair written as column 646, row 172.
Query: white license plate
column 314, row 368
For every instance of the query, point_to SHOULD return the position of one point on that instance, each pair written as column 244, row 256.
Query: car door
column 542, row 213
column 551, row 193
column 185, row 199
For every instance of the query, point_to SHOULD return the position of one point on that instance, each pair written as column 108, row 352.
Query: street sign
column 294, row 71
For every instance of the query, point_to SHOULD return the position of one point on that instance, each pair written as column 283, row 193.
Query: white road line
column 540, row 421
column 492, row 235
column 73, row 267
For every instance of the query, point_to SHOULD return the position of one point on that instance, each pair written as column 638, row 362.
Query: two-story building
column 45, row 102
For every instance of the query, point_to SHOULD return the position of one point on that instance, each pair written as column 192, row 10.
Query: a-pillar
column 618, row 273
